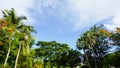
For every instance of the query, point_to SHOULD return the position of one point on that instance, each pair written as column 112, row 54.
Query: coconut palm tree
column 24, row 47
column 10, row 17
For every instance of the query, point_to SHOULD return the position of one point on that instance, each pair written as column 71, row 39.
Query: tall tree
column 96, row 41
column 115, row 37
column 51, row 50
column 81, row 44
column 25, row 38
column 11, row 21
column 112, row 59
column 15, row 35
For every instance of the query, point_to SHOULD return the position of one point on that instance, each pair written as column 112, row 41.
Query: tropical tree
column 112, row 59
column 3, row 40
column 96, row 42
column 14, row 32
column 51, row 50
column 115, row 37
column 81, row 44
column 10, row 20
column 25, row 39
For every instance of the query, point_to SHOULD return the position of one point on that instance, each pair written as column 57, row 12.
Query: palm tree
column 98, row 43
column 81, row 44
column 25, row 39
column 13, row 21
column 95, row 42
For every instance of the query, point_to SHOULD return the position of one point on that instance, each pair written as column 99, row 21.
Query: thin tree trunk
column 16, row 61
column 93, row 52
column 51, row 63
column 94, row 57
column 7, row 55
column 44, row 64
column 87, row 58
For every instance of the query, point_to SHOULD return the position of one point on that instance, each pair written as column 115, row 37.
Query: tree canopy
column 95, row 48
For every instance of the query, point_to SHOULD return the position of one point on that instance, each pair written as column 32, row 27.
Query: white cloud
column 21, row 6
column 85, row 12
column 92, row 11
column 56, row 11
column 115, row 23
column 88, row 12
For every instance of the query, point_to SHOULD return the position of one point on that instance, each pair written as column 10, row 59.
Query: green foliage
column 112, row 59
column 95, row 46
column 12, row 31
column 50, row 50
column 116, row 38
column 84, row 66
column 65, row 58
column 16, row 49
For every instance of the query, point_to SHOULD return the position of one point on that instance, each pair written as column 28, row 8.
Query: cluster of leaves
column 57, row 54
column 95, row 47
column 15, row 39
column 16, row 46
column 96, row 44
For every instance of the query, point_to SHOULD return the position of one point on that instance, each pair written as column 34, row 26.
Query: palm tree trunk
column 87, row 58
column 16, row 61
column 7, row 55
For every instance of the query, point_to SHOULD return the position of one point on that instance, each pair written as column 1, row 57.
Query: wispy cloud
column 77, row 14
column 65, row 15
column 55, row 12
column 73, row 14
column 114, row 23
column 92, row 11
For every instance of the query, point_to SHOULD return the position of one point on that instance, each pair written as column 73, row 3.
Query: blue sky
column 65, row 20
